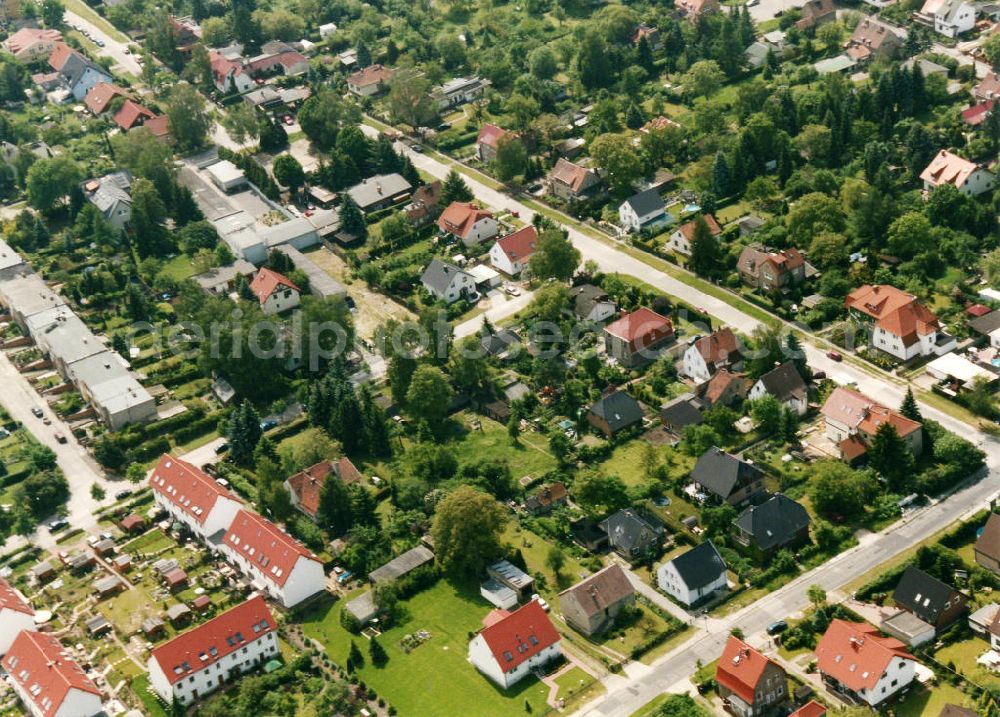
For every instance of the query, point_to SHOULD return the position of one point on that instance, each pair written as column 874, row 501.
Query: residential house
column 546, row 498
column 402, row 565
column 203, row 659
column 15, row 615
column 275, row 292
column 872, row 39
column 633, row 535
column 680, row 240
column 228, row 74
column 591, row 303
column 192, row 497
column 503, row 344
column 692, row 9
column 47, row 680
column 488, row 142
column 31, row 44
column 899, row 324
column 99, row 97
column 950, row 18
column 778, row 523
column 987, row 548
column 695, row 576
column 816, row 13
column 771, row 270
column 644, row 211
column 511, row 645
column 306, row 486
column 511, row 253
column 727, row 478
column 423, row 207
column 571, row 182
column 637, row 339
column 78, row 73
column 159, row 127
column 511, row 577
column 112, row 195
column 750, row 684
column 369, row 81
column 447, row 282
column 970, row 178
column 222, row 279
column 933, row 601
column 812, row 708
column 988, row 325
column 852, row 420
column 708, row 354
column 724, row 388
column 614, row 412
column 861, row 666
column 681, row 412
column 988, row 88
column 651, row 35
column 977, row 114
column 380, row 192
column 592, row 605
column 459, row 91
column 784, row 383
column 468, row 222
column 132, row 115
column 286, row 569
column 187, row 33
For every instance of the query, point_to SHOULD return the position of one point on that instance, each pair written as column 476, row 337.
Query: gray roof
column 9, row 259
column 103, row 585
column 401, row 565
column 439, row 274
column 834, row 64
column 646, row 202
column 601, row 590
column 986, row 324
column 700, row 566
column 509, row 574
column 458, row 84
column 151, row 623
column 98, row 622
column 262, row 96
column 773, row 523
column 784, row 382
column 107, row 377
column 111, row 190
column 27, row 294
column 586, row 297
column 681, row 412
column 63, row 335
column 499, row 342
column 618, row 409
column 377, row 189
column 176, row 611
column 222, row 275
column 906, row 624
column 722, row 473
column 631, row 532
column 926, row 66
column 292, row 230
column 363, row 607
column 922, row 594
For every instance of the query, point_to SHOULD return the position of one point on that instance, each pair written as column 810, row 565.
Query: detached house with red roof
column 306, row 487
column 861, row 666
column 511, row 253
column 571, row 182
column 635, row 339
column 749, row 683
column 771, row 270
column 192, row 497
column 680, row 240
column 899, row 325
column 708, row 354
column 852, row 420
column 100, row 96
column 31, row 44
column 968, row 177
column 468, row 222
column 47, row 680
column 229, row 75
column 369, row 81
column 272, row 559
column 15, row 615
column 274, row 291
column 199, row 661
column 132, row 114
column 512, row 644
column 488, row 142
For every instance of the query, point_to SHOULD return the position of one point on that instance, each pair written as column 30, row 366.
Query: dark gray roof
column 586, row 297
column 773, row 523
column 601, row 590
column 645, row 202
column 400, row 566
column 439, row 274
column 499, row 341
column 987, row 323
column 681, row 412
column 630, row 531
column 375, row 190
column 922, row 594
column 619, row 410
column 721, row 472
column 784, row 382
column 700, row 566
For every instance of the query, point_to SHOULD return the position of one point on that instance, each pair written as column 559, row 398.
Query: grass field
column 530, row 457
column 151, row 705
column 929, row 703
column 435, row 679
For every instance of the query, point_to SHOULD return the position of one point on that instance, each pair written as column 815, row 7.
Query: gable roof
column 948, row 168
column 922, row 594
column 490, row 135
column 784, row 382
column 60, row 53
column 988, row 87
column 586, row 297
column 722, row 473
column 812, row 708
column 754, row 257
column 189, row 488
column 520, row 635
column 439, row 274
column 601, row 590
column 212, row 641
column 372, row 75
column 629, row 530
column 646, row 202
column 956, row 711
column 259, row 541
column 618, row 409
column 987, row 323
column 159, row 126
column 402, row 564
column 719, row 347
column 28, row 36
column 519, row 245
column 775, row 522
column 572, row 175
column 681, row 412
column 988, row 542
column 43, row 668
column 546, row 495
column 854, row 410
column 640, row 323
column 10, row 599
column 871, row 35
column 856, row 655
column 720, row 382
column 267, row 282
column 100, row 95
column 307, row 485
column 460, row 217
column 131, row 114
column 741, row 668
column 977, row 114
column 687, row 228
column 699, row 566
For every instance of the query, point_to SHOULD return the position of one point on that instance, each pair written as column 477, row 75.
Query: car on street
column 834, row 356
column 58, row 524
column 776, row 628
column 47, row 421
column 417, row 148
column 221, row 448
column 60, row 437
column 37, row 411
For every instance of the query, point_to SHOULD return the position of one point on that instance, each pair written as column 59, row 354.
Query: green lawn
column 529, row 458
column 535, row 550
column 435, row 679
column 179, row 268
column 151, row 705
column 929, row 703
column 151, row 542
column 964, row 654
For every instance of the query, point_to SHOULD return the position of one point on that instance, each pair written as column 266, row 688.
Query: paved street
column 112, row 47
column 503, row 309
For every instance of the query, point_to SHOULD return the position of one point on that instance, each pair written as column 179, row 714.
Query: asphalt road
column 112, row 47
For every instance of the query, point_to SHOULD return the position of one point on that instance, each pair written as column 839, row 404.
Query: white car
column 541, row 601
column 512, row 290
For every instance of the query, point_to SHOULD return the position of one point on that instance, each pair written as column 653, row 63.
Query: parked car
column 268, row 423
column 287, row 119
column 123, row 494
column 60, row 437
column 37, row 411
column 541, row 601
column 58, row 524
column 776, row 628
column 221, row 448
column 834, row 356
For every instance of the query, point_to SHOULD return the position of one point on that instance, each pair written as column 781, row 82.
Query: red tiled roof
column 159, row 126
column 856, row 655
column 640, row 323
column 460, row 217
column 687, row 229
column 976, row 115
column 261, row 542
column 308, row 485
column 858, row 411
column 196, row 649
column 894, row 311
column 490, row 135
column 133, row 521
column 100, row 96
column 520, row 635
column 719, row 384
column 132, row 114
column 740, row 669
column 60, row 54
column 267, row 282
column 175, row 577
column 852, row 448
column 10, row 599
column 519, row 245
column 948, row 168
column 371, row 75
column 39, row 663
column 977, row 310
column 570, row 174
column 718, row 346
column 809, row 709
column 28, row 36
column 187, row 487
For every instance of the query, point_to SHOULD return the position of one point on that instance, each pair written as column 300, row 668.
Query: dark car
column 267, row 424
column 123, row 494
column 221, row 448
column 37, row 411
column 58, row 524
column 776, row 628
column 834, row 356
